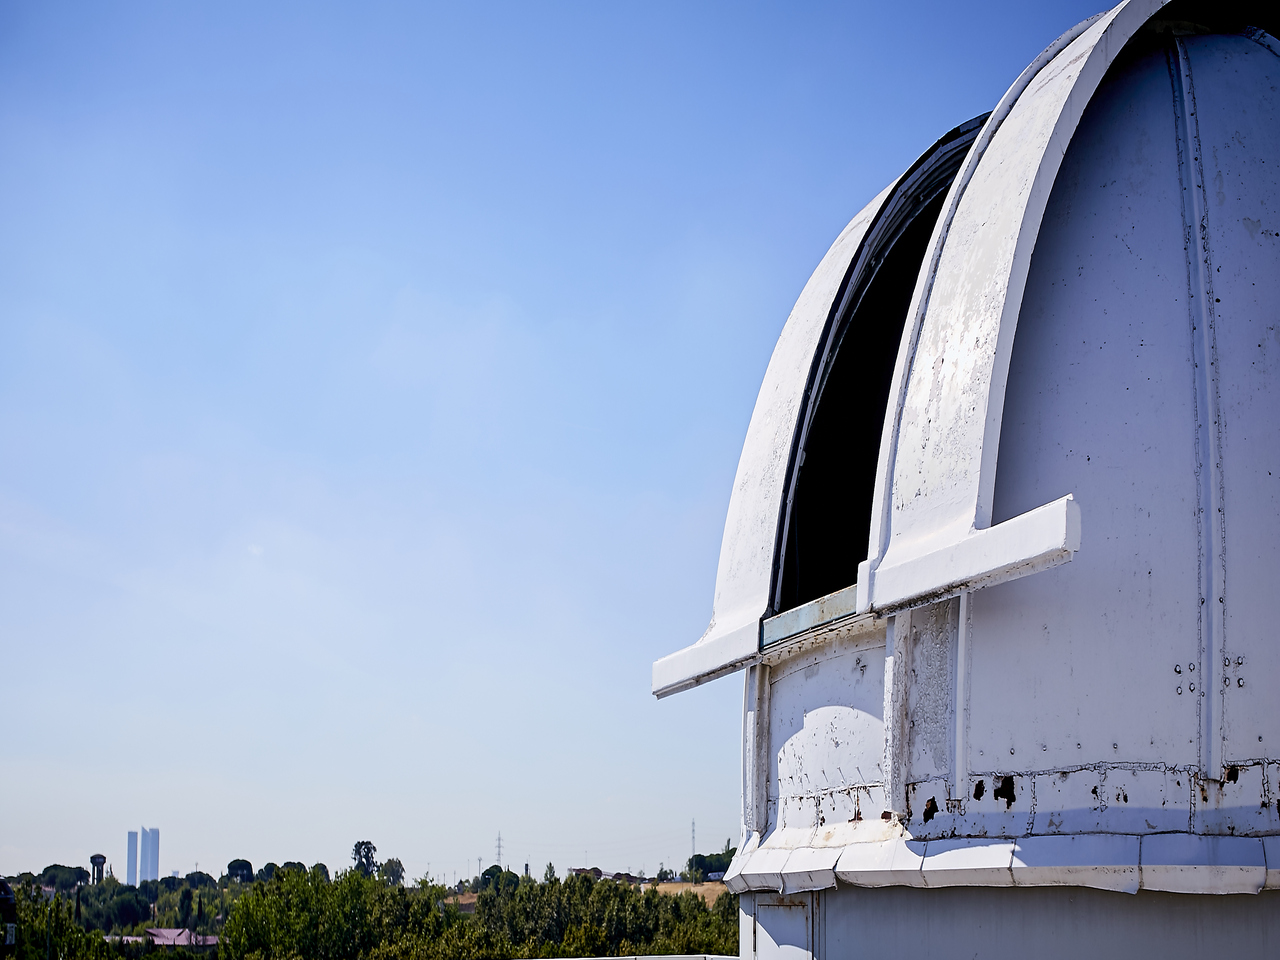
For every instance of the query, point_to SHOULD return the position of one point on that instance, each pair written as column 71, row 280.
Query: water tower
column 999, row 553
column 97, row 861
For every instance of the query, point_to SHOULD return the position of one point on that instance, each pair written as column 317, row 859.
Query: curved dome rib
column 931, row 529
column 747, row 576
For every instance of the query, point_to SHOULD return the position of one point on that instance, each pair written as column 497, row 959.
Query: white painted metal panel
column 968, row 862
column 1184, row 863
column 889, row 863
column 783, row 928
column 1093, row 663
column 1101, row 861
column 827, row 734
column 810, row 868
column 1233, row 88
column 1271, row 853
column 938, row 455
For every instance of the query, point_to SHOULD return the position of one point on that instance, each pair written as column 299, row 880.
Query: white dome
column 1088, row 380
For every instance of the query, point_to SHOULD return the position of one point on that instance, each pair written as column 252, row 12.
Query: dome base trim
column 790, row 861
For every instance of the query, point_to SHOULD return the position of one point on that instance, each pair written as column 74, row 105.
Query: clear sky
column 372, row 381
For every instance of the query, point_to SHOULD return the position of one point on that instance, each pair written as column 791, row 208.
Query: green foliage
column 112, row 907
column 48, row 928
column 362, row 854
column 300, row 913
column 240, row 870
column 700, row 865
column 392, row 872
column 304, row 915
column 357, row 916
column 63, row 879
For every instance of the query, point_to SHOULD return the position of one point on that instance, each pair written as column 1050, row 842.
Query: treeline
column 48, row 928
column 193, row 902
column 357, row 915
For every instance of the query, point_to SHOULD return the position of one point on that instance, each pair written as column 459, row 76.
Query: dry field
column 707, row 891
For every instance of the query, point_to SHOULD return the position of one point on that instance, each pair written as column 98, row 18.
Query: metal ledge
column 1126, row 863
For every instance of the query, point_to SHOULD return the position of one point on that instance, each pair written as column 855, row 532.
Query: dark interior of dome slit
column 830, row 516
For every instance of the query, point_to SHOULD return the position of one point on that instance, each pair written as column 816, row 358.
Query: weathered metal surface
column 826, row 732
column 939, row 452
column 1168, row 862
column 1108, row 722
column 782, row 927
column 745, row 575
column 755, row 525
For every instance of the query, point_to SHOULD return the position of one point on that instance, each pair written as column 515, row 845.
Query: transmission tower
column 693, row 839
column 499, row 848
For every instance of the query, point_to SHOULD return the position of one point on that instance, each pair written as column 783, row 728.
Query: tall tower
column 150, row 866
column 131, row 871
column 155, row 854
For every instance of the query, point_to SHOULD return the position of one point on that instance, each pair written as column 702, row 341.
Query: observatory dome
column 998, row 555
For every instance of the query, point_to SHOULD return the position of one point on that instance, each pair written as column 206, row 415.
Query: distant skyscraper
column 131, row 874
column 150, row 865
column 144, row 859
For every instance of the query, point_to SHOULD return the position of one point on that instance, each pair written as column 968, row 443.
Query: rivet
column 1191, row 687
column 1011, row 751
column 1226, row 661
column 1077, row 746
column 1179, row 691
column 1115, row 746
column 1177, row 668
column 1240, row 682
column 1239, row 661
column 1226, row 681
column 1191, row 667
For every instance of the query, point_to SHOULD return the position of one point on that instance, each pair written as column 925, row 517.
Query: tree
column 63, row 879
column 700, row 865
column 240, row 870
column 549, row 875
column 490, row 874
column 392, row 872
column 363, row 854
column 266, row 873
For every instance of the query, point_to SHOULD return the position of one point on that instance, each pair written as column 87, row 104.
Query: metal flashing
column 1188, row 863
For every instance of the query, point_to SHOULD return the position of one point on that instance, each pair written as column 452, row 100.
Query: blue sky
column 372, row 381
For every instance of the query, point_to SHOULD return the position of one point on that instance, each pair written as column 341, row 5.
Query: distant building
column 179, row 937
column 150, row 866
column 131, row 871
column 98, row 861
